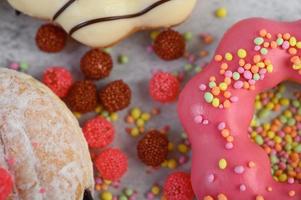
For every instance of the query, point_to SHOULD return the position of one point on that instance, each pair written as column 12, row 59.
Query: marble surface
column 17, row 44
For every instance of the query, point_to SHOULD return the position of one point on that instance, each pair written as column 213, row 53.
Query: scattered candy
column 58, row 79
column 115, row 96
column 6, row 184
column 82, row 97
column 169, row 45
column 164, row 87
column 111, row 164
column 51, row 38
column 152, row 149
column 178, row 187
column 98, row 132
column 96, row 64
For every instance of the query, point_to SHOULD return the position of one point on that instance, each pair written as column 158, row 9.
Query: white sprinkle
column 242, row 187
column 210, row 178
column 229, row 146
column 198, row 119
column 239, row 169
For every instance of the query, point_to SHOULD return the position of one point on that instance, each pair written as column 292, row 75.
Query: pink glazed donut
column 216, row 108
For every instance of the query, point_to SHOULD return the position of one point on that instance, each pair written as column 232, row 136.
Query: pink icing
column 247, row 173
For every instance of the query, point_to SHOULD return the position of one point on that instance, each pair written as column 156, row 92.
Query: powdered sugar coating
column 41, row 143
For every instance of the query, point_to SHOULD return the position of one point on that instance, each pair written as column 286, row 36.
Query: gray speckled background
column 17, row 44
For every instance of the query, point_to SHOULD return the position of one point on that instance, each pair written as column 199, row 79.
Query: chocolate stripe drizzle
column 105, row 19
column 62, row 9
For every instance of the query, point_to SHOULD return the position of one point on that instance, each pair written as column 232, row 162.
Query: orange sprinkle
column 247, row 66
column 225, row 133
column 227, row 80
column 251, row 164
column 273, row 44
column 267, row 62
column 215, row 91
column 286, row 36
column 292, row 51
column 222, row 71
column 291, row 193
column 279, row 35
column 241, row 62
column 263, row 32
column 208, row 198
column 257, row 58
column 254, row 69
column 230, row 138
column 222, row 197
column 259, row 197
column 269, row 35
column 218, row 58
column 227, row 94
column 212, row 78
column 252, row 87
column 269, row 189
column 224, row 66
column 246, row 85
column 227, row 103
column 266, row 44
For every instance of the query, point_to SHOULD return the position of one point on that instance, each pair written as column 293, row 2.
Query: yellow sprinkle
column 172, row 164
column 222, row 163
column 215, row 102
column 170, row 146
column 260, row 64
column 298, row 45
column 145, row 116
column 223, row 86
column 228, row 56
column 135, row 113
column 242, row 53
column 135, row 132
column 98, row 109
column 106, row 195
column 270, row 68
column 221, row 12
column 114, row 116
column 182, row 148
column 293, row 41
column 155, row 190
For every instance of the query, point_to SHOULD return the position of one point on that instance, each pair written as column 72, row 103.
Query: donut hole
column 276, row 127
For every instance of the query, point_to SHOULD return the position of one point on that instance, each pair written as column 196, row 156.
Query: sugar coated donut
column 100, row 23
column 216, row 108
column 41, row 144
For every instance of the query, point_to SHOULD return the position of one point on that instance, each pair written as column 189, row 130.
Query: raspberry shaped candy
column 115, row 96
column 6, row 184
column 58, row 79
column 164, row 87
column 178, row 187
column 96, row 64
column 111, row 164
column 169, row 45
column 152, row 149
column 51, row 38
column 82, row 96
column 98, row 132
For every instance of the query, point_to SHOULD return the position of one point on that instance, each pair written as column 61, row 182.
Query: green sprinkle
column 128, row 192
column 274, row 159
column 208, row 97
column 187, row 67
column 122, row 59
column 263, row 51
column 187, row 36
column 298, row 148
column 24, row 66
column 256, row 77
column 291, row 121
column 212, row 84
column 122, row 197
column 258, row 40
column 279, row 41
column 197, row 69
column 236, row 75
column 259, row 140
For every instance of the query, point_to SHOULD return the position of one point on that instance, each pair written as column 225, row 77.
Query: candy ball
column 82, row 96
column 169, row 45
column 152, row 149
column 96, row 64
column 164, row 87
column 98, row 132
column 6, row 184
column 51, row 38
column 111, row 164
column 58, row 79
column 178, row 187
column 115, row 96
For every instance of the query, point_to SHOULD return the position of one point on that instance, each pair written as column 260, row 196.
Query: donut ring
column 216, row 108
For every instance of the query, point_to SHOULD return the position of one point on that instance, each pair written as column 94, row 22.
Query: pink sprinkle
column 229, row 146
column 198, row 119
column 242, row 187
column 228, row 73
column 42, row 190
column 205, row 122
column 248, row 75
column 262, row 71
column 149, row 49
column 221, row 126
column 221, row 106
column 11, row 161
column 98, row 180
column 239, row 169
column 210, row 178
column 285, row 45
column 262, row 76
column 257, row 48
column 234, row 99
column 238, row 84
column 14, row 66
column 291, row 180
column 150, row 196
column 252, row 82
column 202, row 87
column 240, row 70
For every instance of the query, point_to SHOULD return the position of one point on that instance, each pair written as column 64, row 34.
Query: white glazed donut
column 41, row 143
column 101, row 23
